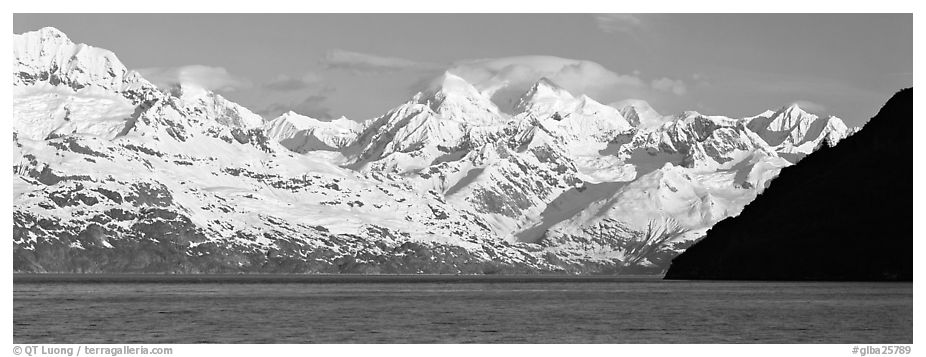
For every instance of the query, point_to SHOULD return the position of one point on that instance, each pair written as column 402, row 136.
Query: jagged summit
column 767, row 113
column 639, row 113
column 454, row 90
column 792, row 110
column 450, row 113
column 213, row 106
column 689, row 114
column 450, row 84
column 94, row 94
column 299, row 121
column 49, row 55
column 546, row 88
column 585, row 125
column 302, row 122
column 788, row 116
column 546, row 97
column 453, row 98
column 188, row 91
column 48, row 33
column 544, row 93
column 46, row 36
column 300, row 133
column 797, row 129
column 793, row 107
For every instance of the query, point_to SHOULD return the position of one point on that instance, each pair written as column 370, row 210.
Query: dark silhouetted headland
column 842, row 213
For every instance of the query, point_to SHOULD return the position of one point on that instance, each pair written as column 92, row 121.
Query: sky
column 362, row 65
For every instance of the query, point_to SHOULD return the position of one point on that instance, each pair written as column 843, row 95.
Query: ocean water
column 436, row 309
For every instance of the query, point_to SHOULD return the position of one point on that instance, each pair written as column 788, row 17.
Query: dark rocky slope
column 842, row 213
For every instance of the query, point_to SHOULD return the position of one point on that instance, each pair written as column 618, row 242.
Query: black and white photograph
column 184, row 183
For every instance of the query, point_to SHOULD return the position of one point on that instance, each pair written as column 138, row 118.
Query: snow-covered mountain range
column 113, row 174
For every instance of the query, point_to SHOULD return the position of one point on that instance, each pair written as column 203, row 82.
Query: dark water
column 274, row 309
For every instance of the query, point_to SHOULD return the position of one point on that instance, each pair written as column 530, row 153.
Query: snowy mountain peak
column 795, row 132
column 788, row 117
column 444, row 182
column 188, row 92
column 584, row 125
column 767, row 113
column 289, row 114
column 836, row 130
column 303, row 122
column 298, row 121
column 300, row 133
column 47, row 34
column 639, row 113
column 689, row 114
column 546, row 88
column 543, row 95
column 212, row 106
column 453, row 98
column 450, row 84
column 48, row 55
column 793, row 110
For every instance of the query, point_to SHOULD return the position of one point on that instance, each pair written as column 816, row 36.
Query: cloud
column 369, row 63
column 664, row 84
column 313, row 105
column 306, row 94
column 286, row 83
column 811, row 107
column 700, row 80
column 206, row 77
column 618, row 23
column 506, row 79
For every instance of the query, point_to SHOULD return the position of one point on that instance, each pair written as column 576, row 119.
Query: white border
column 475, row 6
column 471, row 6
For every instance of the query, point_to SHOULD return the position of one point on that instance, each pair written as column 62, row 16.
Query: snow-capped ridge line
column 444, row 182
column 48, row 54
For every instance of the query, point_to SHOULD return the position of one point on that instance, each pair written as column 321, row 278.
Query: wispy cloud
column 287, row 83
column 312, row 103
column 307, row 94
column 370, row 63
column 812, row 107
column 619, row 23
column 674, row 86
column 507, row 78
column 206, row 77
